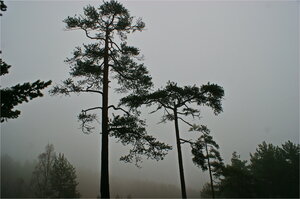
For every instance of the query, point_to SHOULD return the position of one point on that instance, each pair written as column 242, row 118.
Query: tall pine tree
column 178, row 103
column 95, row 65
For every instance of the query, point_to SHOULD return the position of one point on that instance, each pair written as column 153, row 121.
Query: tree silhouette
column 95, row 65
column 273, row 172
column 41, row 176
column 177, row 102
column 63, row 178
column 237, row 181
column 276, row 170
column 206, row 154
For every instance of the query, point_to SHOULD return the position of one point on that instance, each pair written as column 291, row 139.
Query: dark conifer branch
column 134, row 78
column 13, row 96
column 181, row 113
column 188, row 100
column 114, row 43
column 90, row 109
column 112, row 20
column 164, row 105
column 130, row 130
column 119, row 108
column 91, row 91
column 90, row 37
column 185, row 121
column 119, row 72
column 87, row 120
column 66, row 91
column 183, row 141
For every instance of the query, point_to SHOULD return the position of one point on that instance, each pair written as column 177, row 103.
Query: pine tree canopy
column 87, row 64
column 180, row 98
column 201, row 156
column 93, row 66
column 131, row 130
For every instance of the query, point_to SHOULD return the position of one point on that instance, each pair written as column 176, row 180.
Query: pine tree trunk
column 210, row 175
column 182, row 181
column 104, row 184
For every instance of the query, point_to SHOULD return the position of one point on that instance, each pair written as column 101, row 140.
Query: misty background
column 251, row 49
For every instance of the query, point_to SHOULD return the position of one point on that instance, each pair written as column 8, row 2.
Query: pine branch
column 186, row 141
column 90, row 37
column 90, row 109
column 185, row 121
column 119, row 72
column 119, row 108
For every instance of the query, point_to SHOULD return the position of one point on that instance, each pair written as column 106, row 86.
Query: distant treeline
column 15, row 178
column 51, row 176
column 273, row 172
column 16, row 182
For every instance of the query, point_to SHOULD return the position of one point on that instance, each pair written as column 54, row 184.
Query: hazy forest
column 205, row 105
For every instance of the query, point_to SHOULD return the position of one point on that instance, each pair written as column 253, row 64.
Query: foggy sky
column 251, row 49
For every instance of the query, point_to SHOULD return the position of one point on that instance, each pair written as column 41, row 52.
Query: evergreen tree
column 95, row 65
column 276, row 170
column 63, row 178
column 41, row 176
column 273, row 172
column 177, row 102
column 206, row 155
column 237, row 181
column 291, row 154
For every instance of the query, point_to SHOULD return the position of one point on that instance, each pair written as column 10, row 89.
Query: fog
column 251, row 49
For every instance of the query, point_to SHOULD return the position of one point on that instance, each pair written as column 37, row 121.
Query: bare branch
column 119, row 108
column 92, row 91
column 88, row 36
column 84, row 91
column 112, row 42
column 185, row 101
column 89, row 109
column 183, row 141
column 121, row 74
column 185, row 121
column 112, row 20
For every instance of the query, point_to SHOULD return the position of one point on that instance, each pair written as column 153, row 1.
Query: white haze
column 251, row 49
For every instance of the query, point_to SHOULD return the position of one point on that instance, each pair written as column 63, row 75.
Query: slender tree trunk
column 182, row 182
column 104, row 184
column 210, row 175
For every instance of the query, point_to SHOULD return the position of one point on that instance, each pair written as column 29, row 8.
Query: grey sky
column 249, row 48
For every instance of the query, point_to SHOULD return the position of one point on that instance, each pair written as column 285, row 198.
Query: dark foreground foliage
column 273, row 172
column 15, row 95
